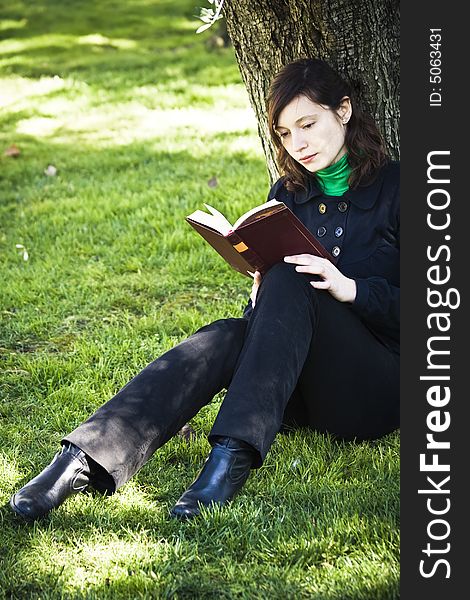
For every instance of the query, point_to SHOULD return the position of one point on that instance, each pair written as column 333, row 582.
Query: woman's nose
column 298, row 141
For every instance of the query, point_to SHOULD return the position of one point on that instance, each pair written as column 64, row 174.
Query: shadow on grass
column 109, row 231
column 80, row 17
column 108, row 42
column 304, row 544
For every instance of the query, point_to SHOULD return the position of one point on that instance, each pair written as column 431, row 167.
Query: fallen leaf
column 22, row 251
column 187, row 432
column 51, row 171
column 212, row 183
column 12, row 151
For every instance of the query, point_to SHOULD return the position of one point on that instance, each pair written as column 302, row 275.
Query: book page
column 262, row 209
column 215, row 220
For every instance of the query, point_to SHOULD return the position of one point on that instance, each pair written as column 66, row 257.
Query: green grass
column 137, row 115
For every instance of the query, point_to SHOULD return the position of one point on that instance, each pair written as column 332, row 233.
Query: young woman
column 318, row 344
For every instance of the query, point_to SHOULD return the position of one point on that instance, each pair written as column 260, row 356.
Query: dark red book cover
column 263, row 239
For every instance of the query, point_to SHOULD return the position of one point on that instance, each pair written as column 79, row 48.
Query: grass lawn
column 100, row 274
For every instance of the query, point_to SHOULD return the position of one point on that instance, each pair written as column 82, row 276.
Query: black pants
column 301, row 358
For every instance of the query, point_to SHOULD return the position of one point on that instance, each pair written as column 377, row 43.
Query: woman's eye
column 308, row 125
column 283, row 134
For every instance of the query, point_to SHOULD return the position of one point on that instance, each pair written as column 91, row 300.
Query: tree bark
column 359, row 38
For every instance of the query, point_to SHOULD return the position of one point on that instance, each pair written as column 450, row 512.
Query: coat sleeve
column 378, row 303
column 377, row 300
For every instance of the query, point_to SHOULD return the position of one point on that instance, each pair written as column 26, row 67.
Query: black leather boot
column 68, row 473
column 224, row 472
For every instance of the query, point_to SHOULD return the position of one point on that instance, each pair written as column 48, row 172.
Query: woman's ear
column 345, row 109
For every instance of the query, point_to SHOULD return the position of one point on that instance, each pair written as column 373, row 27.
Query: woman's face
column 312, row 134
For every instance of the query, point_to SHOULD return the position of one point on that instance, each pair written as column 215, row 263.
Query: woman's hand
column 255, row 286
column 340, row 287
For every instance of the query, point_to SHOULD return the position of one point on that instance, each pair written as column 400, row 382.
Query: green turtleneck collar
column 334, row 179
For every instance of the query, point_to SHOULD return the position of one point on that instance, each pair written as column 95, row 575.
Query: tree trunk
column 359, row 38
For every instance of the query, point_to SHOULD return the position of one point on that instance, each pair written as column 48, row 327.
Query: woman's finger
column 313, row 269
column 299, row 258
column 321, row 285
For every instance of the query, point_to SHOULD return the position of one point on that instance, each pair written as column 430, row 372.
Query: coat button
column 338, row 231
column 335, row 251
column 322, row 208
column 342, row 206
column 321, row 231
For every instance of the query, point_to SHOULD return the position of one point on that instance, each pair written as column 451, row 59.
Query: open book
column 259, row 238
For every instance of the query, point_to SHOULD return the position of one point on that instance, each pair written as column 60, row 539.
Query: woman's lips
column 307, row 159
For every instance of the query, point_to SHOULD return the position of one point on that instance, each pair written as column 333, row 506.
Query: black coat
column 361, row 228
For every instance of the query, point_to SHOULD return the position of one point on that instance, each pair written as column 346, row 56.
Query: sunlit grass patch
column 132, row 122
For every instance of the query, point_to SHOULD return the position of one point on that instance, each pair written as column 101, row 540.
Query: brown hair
column 316, row 80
